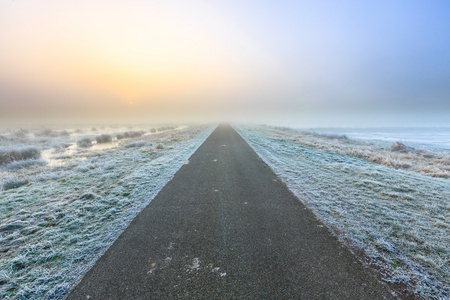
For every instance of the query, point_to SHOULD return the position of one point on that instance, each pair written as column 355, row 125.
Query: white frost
column 400, row 218
column 54, row 227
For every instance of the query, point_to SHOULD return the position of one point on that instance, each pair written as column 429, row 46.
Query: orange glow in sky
column 291, row 57
column 160, row 53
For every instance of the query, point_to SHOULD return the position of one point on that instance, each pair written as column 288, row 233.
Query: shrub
column 87, row 196
column 129, row 134
column 400, row 147
column 82, row 169
column 17, row 165
column 109, row 166
column 13, row 226
column 84, row 142
column 331, row 136
column 47, row 133
column 159, row 146
column 13, row 182
column 136, row 133
column 21, row 133
column 137, row 144
column 45, row 176
column 10, row 154
column 104, row 138
column 64, row 133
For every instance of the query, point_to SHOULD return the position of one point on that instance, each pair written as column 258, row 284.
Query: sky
column 285, row 62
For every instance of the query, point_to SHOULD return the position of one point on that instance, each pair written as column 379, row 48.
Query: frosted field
column 391, row 206
column 67, row 194
column 435, row 137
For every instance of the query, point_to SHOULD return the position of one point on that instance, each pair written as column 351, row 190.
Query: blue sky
column 397, row 50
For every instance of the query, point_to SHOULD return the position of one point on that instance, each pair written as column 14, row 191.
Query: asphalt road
column 226, row 227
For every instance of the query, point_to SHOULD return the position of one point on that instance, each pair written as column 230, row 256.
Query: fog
column 292, row 63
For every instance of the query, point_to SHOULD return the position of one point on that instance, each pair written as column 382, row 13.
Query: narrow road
column 226, row 227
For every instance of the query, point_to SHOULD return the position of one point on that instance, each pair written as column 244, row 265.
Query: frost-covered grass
column 55, row 226
column 12, row 182
column 10, row 154
column 396, row 155
column 21, row 164
column 397, row 220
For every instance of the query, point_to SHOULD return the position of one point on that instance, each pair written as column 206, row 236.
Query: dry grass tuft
column 16, row 153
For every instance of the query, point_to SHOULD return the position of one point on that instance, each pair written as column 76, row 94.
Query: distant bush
column 164, row 128
column 104, row 138
column 129, row 134
column 400, row 147
column 84, row 142
column 159, row 146
column 64, row 133
column 153, row 130
column 10, row 154
column 60, row 146
column 331, row 136
column 45, row 176
column 137, row 144
column 137, row 133
column 48, row 133
column 22, row 164
column 21, row 133
column 13, row 182
column 82, row 169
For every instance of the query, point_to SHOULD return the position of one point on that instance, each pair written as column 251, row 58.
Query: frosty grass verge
column 399, row 219
column 53, row 229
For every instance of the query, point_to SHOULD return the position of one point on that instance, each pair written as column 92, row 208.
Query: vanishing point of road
column 226, row 227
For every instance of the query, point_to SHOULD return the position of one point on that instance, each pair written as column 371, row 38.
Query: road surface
column 226, row 227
